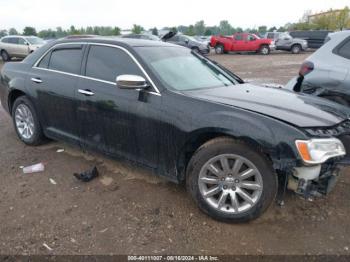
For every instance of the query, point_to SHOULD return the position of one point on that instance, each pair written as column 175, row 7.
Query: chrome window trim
column 35, row 66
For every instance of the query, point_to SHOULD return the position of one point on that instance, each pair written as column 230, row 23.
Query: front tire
column 26, row 122
column 296, row 49
column 231, row 181
column 219, row 49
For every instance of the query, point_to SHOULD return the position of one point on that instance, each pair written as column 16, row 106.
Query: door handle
column 86, row 92
column 36, row 80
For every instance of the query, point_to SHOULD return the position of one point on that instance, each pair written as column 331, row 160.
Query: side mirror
column 187, row 41
column 131, row 82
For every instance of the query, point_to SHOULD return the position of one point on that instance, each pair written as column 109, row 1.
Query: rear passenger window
column 66, row 60
column 106, row 63
column 344, row 50
column 13, row 40
column 238, row 37
column 5, row 40
column 44, row 63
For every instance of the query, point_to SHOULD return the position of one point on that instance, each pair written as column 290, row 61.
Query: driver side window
column 106, row 63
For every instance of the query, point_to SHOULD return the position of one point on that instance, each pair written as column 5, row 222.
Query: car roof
column 344, row 33
column 131, row 42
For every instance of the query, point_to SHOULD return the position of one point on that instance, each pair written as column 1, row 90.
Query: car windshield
column 35, row 40
column 285, row 35
column 180, row 69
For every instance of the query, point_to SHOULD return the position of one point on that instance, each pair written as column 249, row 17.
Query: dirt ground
column 129, row 211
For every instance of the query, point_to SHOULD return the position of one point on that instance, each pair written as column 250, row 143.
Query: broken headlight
column 317, row 151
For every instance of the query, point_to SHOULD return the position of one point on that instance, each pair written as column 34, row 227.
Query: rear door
column 22, row 49
column 11, row 45
column 117, row 121
column 53, row 81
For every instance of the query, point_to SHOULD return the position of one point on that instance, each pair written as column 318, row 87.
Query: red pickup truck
column 242, row 42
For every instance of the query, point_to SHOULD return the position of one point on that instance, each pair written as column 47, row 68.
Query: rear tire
column 5, row 56
column 229, row 204
column 264, row 50
column 219, row 49
column 26, row 122
column 296, row 49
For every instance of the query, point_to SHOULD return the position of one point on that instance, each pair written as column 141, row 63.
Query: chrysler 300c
column 183, row 116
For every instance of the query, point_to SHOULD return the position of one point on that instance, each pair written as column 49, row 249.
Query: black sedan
column 181, row 115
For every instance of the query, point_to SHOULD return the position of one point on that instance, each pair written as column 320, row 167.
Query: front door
column 117, row 121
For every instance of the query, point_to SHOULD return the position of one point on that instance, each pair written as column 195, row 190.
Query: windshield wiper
column 214, row 66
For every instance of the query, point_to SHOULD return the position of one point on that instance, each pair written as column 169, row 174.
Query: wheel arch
column 200, row 137
column 13, row 95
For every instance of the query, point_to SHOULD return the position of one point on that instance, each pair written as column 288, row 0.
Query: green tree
column 73, row 31
column 272, row 29
column 155, row 31
column 208, row 32
column 281, row 29
column 137, row 29
column 60, row 32
column 225, row 28
column 28, row 30
column 3, row 32
column 190, row 31
column 199, row 28
column 262, row 29
column 13, row 31
column 182, row 29
column 342, row 19
column 116, row 30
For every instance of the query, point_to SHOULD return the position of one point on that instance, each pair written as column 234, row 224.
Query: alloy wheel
column 24, row 121
column 230, row 183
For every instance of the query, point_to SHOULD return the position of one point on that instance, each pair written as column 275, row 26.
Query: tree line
column 329, row 21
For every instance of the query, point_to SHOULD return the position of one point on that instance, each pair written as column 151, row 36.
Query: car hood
column 297, row 109
column 168, row 35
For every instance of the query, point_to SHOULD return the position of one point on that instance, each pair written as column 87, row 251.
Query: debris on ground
column 52, row 181
column 60, row 150
column 88, row 175
column 34, row 168
column 103, row 230
column 47, row 247
column 106, row 181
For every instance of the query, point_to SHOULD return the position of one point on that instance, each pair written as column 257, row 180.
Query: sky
column 44, row 14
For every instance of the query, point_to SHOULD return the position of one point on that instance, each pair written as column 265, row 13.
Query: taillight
column 306, row 68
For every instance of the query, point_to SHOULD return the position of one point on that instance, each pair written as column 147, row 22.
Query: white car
column 326, row 73
column 19, row 46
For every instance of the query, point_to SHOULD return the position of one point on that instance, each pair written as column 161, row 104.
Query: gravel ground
column 129, row 211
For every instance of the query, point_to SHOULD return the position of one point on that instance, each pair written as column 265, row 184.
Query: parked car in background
column 326, row 72
column 203, row 39
column 187, row 41
column 314, row 38
column 179, row 114
column 284, row 41
column 142, row 36
column 19, row 46
column 242, row 42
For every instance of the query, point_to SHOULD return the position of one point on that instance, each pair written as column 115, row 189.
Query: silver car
column 284, row 41
column 19, row 46
column 326, row 73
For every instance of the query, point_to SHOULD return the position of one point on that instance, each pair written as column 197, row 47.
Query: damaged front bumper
column 316, row 180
